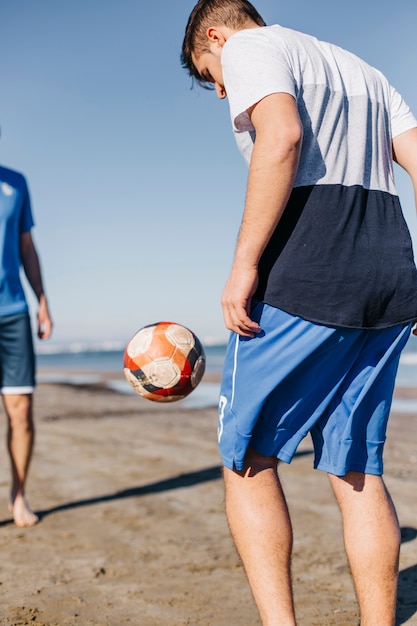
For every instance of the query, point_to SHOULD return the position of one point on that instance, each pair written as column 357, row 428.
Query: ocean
column 77, row 365
column 80, row 365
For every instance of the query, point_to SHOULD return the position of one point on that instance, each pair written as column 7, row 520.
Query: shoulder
column 253, row 50
column 275, row 35
column 13, row 178
column 270, row 46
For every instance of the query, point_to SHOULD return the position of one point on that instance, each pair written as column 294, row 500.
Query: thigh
column 269, row 380
column 350, row 436
column 289, row 381
column 17, row 359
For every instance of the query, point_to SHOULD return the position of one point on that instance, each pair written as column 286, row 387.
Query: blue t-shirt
column 15, row 219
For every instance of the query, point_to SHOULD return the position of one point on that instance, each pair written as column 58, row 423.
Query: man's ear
column 216, row 35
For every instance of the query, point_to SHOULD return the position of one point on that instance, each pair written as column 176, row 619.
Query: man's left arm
column 32, row 269
column 404, row 148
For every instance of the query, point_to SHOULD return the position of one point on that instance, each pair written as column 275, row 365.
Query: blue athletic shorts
column 17, row 359
column 296, row 378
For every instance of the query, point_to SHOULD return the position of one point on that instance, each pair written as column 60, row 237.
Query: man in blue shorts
column 17, row 362
column 321, row 296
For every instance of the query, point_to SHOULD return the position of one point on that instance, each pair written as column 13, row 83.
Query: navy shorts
column 297, row 378
column 17, row 359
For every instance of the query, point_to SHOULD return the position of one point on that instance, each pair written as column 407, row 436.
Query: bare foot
column 22, row 513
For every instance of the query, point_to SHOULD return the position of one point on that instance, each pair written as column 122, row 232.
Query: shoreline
column 44, row 373
column 204, row 396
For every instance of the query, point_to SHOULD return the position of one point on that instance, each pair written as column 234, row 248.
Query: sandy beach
column 133, row 530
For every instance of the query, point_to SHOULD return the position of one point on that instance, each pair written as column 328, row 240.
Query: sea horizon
column 79, row 363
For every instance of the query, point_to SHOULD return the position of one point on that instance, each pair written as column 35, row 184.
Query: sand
column 133, row 530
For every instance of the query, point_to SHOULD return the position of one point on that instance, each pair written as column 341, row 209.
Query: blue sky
column 137, row 186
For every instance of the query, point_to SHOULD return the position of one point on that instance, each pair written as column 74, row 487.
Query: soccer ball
column 164, row 362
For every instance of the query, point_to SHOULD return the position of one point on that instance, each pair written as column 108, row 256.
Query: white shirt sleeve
column 253, row 68
column 402, row 119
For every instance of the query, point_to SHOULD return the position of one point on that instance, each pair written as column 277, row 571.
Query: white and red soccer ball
column 164, row 362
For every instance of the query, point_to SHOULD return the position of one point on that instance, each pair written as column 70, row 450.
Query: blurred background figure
column 17, row 360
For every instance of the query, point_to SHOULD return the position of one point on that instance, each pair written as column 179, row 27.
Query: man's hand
column 44, row 319
column 236, row 301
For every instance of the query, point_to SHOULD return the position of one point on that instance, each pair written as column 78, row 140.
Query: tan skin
column 255, row 503
column 404, row 148
column 19, row 407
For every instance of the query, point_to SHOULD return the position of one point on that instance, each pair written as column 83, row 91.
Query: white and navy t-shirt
column 342, row 253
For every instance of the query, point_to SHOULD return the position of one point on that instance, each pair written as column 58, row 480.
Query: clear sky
column 137, row 186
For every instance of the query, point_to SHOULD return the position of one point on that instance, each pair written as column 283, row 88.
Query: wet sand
column 133, row 530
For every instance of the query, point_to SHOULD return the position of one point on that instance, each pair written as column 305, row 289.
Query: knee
column 255, row 462
column 19, row 410
column 355, row 480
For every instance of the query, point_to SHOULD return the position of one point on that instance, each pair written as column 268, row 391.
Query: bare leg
column 20, row 445
column 372, row 540
column 260, row 525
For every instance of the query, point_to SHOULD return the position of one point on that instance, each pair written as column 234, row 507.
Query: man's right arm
column 272, row 172
column 31, row 266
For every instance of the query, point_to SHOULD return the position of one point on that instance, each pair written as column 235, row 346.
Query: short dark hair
column 206, row 13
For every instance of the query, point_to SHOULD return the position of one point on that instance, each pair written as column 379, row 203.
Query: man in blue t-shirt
column 17, row 361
